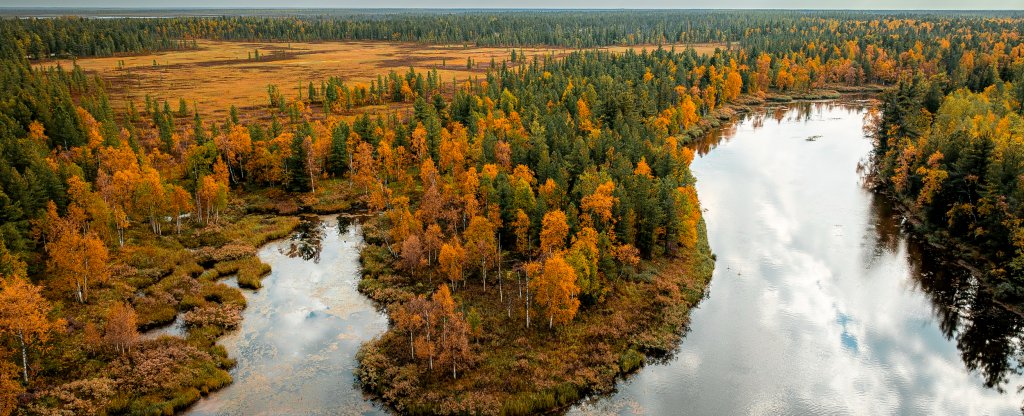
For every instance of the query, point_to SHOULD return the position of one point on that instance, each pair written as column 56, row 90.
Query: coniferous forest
column 533, row 230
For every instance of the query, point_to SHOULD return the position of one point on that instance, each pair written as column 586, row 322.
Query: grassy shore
column 176, row 276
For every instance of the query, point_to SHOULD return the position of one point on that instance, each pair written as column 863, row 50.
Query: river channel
column 820, row 303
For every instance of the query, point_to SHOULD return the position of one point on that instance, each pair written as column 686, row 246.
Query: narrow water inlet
column 300, row 332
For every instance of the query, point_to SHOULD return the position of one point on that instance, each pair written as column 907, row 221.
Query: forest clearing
column 220, row 74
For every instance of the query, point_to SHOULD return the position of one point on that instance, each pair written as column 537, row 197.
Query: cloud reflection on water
column 299, row 335
column 819, row 305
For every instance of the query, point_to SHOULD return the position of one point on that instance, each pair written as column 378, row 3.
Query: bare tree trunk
column 527, row 306
column 83, row 294
column 312, row 180
column 387, row 244
column 24, row 356
column 519, row 284
column 430, row 356
column 501, row 294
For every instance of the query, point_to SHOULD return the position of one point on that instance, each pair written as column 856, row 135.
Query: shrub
column 225, row 316
column 250, row 271
column 221, row 293
column 79, row 397
column 156, row 308
column 630, row 360
column 166, row 375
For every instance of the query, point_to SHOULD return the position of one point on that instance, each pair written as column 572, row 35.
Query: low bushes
column 516, row 370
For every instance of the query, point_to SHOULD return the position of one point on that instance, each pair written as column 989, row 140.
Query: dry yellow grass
column 220, row 73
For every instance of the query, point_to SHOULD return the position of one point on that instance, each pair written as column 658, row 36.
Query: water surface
column 819, row 302
column 299, row 334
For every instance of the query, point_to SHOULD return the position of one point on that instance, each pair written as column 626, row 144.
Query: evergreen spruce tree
column 337, row 159
column 295, row 164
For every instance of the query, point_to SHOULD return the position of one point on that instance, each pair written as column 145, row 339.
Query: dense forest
column 772, row 31
column 539, row 204
column 956, row 162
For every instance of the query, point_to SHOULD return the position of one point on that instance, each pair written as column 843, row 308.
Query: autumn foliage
column 544, row 187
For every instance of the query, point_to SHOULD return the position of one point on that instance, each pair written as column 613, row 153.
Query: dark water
column 299, row 335
column 819, row 303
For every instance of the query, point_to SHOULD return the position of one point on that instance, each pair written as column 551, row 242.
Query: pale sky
column 568, row 4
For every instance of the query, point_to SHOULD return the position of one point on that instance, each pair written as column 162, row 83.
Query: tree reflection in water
column 987, row 335
column 306, row 242
column 344, row 222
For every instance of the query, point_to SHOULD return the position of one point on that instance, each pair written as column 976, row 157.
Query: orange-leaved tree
column 23, row 316
column 481, row 245
column 522, row 230
column 555, row 289
column 452, row 261
column 419, row 319
column 600, row 203
column 688, row 215
column 454, row 332
column 554, row 230
column 10, row 388
column 180, row 203
column 121, row 331
column 76, row 258
column 408, row 321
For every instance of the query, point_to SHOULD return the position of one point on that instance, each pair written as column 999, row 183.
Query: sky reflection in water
column 299, row 335
column 819, row 305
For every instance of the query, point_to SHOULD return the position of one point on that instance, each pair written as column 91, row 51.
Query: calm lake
column 820, row 304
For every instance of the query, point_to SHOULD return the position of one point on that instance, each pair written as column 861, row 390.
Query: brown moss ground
column 220, row 73
column 518, row 370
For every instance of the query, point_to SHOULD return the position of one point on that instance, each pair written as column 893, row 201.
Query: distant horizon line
column 490, row 8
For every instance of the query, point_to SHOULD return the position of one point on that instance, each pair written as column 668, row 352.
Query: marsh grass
column 164, row 277
column 519, row 371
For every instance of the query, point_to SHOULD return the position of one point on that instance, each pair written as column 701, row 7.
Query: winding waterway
column 300, row 333
column 820, row 303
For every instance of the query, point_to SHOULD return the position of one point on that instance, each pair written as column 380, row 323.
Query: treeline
column 955, row 158
column 784, row 50
column 770, row 31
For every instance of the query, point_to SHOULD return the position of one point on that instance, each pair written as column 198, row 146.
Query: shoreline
column 381, row 375
column 377, row 371
column 964, row 255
